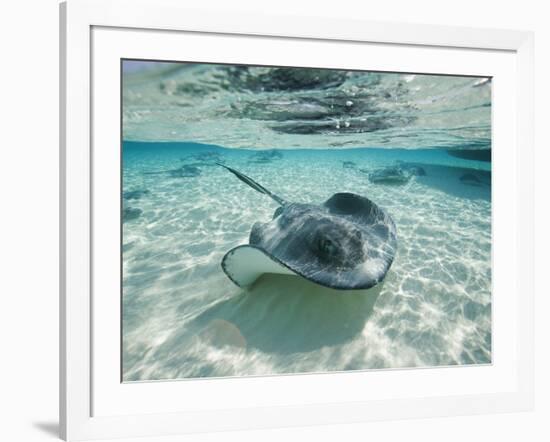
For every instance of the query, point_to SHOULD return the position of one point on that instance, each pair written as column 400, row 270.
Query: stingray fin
column 256, row 186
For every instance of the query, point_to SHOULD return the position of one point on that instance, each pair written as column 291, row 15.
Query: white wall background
column 29, row 203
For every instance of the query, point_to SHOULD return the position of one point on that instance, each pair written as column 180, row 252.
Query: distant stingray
column 135, row 194
column 185, row 171
column 265, row 156
column 130, row 214
column 389, row 175
column 346, row 243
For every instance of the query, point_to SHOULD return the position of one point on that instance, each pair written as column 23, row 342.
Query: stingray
column 130, row 214
column 348, row 164
column 346, row 243
column 185, row 171
column 265, row 156
column 135, row 194
column 389, row 175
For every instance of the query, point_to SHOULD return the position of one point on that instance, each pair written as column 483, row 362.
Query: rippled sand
column 182, row 317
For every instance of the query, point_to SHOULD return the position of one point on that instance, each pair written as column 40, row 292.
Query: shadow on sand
column 288, row 314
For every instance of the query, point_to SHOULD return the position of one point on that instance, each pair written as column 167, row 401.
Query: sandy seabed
column 182, row 317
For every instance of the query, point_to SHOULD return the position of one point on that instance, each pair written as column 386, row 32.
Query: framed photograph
column 283, row 221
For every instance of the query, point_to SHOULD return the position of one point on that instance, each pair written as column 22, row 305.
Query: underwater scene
column 280, row 220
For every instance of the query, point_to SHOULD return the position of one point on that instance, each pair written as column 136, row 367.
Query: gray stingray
column 135, row 194
column 265, row 156
column 348, row 164
column 185, row 171
column 130, row 214
column 346, row 243
column 389, row 175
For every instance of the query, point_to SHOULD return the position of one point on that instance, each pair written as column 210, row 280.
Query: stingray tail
column 254, row 184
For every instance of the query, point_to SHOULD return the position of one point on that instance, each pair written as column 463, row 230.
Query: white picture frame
column 93, row 406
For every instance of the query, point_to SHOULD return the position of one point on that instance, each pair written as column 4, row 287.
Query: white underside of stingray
column 245, row 264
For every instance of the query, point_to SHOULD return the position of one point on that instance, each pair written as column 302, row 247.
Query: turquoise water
column 304, row 134
column 182, row 317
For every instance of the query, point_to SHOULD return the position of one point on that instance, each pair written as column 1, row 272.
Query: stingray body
column 346, row 243
column 130, row 214
column 389, row 175
column 266, row 156
column 185, row 171
column 135, row 194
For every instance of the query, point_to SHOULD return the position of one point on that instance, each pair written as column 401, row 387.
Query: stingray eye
column 326, row 247
column 277, row 212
